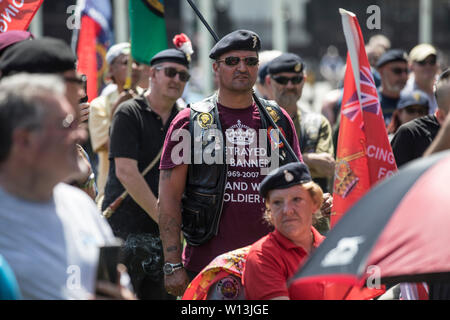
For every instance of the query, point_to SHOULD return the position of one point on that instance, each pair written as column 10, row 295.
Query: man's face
column 55, row 150
column 118, row 70
column 394, row 76
column 240, row 76
column 74, row 89
column 286, row 87
column 167, row 80
column 425, row 71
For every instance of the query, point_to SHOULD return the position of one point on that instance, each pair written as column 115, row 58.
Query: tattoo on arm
column 172, row 248
column 166, row 174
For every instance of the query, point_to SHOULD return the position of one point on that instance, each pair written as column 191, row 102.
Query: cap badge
column 416, row 96
column 298, row 67
column 255, row 41
column 288, row 176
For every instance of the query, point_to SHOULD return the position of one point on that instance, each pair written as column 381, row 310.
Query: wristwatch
column 170, row 268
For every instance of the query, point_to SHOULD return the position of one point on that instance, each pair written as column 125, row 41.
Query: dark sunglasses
column 234, row 61
column 432, row 61
column 172, row 72
column 81, row 79
column 417, row 109
column 399, row 71
column 284, row 80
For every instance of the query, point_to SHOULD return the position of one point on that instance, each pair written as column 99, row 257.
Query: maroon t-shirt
column 241, row 221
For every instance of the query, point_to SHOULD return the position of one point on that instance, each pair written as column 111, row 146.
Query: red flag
column 17, row 15
column 92, row 40
column 364, row 154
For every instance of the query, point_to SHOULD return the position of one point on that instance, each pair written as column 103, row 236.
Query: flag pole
column 255, row 98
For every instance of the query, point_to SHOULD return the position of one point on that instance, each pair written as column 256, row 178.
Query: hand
column 84, row 112
column 177, row 282
column 327, row 204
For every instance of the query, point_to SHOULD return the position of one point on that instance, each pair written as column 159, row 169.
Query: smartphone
column 109, row 258
column 85, row 98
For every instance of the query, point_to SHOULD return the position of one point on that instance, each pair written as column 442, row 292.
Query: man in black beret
column 393, row 69
column 286, row 77
column 138, row 129
column 53, row 56
column 217, row 202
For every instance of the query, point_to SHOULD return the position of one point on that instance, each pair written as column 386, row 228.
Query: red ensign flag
column 364, row 154
column 17, row 15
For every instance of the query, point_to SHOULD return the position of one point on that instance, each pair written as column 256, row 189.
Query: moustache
column 239, row 74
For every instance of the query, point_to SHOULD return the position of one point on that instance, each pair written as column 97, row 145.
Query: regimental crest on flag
column 157, row 6
column 345, row 179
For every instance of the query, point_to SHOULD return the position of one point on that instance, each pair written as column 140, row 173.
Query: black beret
column 44, row 55
column 236, row 40
column 170, row 55
column 285, row 177
column 391, row 56
column 287, row 62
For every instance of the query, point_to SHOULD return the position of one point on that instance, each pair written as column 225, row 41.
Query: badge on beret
column 416, row 96
column 255, row 41
column 205, row 120
column 298, row 67
column 288, row 176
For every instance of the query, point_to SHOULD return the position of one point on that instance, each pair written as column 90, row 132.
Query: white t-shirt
column 53, row 247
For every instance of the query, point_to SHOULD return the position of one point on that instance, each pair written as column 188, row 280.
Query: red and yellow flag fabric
column 364, row 154
column 17, row 15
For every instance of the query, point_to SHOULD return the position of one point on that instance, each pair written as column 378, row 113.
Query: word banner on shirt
column 17, row 15
column 364, row 155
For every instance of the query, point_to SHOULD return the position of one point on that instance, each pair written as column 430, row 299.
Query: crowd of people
column 246, row 172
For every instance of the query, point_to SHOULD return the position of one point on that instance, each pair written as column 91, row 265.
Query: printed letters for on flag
column 364, row 155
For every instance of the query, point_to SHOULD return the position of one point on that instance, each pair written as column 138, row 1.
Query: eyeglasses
column 172, row 72
column 234, row 61
column 431, row 61
column 399, row 71
column 81, row 79
column 284, row 80
column 421, row 110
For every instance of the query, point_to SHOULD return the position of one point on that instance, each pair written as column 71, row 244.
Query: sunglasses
column 416, row 109
column 399, row 71
column 234, row 61
column 431, row 61
column 172, row 72
column 81, row 79
column 284, row 80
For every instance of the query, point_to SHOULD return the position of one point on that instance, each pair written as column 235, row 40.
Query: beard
column 287, row 97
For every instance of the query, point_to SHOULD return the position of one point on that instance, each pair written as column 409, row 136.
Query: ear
column 440, row 115
column 268, row 80
column 215, row 66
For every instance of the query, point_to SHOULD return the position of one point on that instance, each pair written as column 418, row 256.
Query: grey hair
column 22, row 104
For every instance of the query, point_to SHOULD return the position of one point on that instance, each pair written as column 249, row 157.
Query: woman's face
column 291, row 211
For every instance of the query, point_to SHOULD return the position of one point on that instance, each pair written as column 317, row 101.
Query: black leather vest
column 205, row 186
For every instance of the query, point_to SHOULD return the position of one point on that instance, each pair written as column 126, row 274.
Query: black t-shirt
column 413, row 138
column 137, row 133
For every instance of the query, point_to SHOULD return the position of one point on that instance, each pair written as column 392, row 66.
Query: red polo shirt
column 272, row 260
